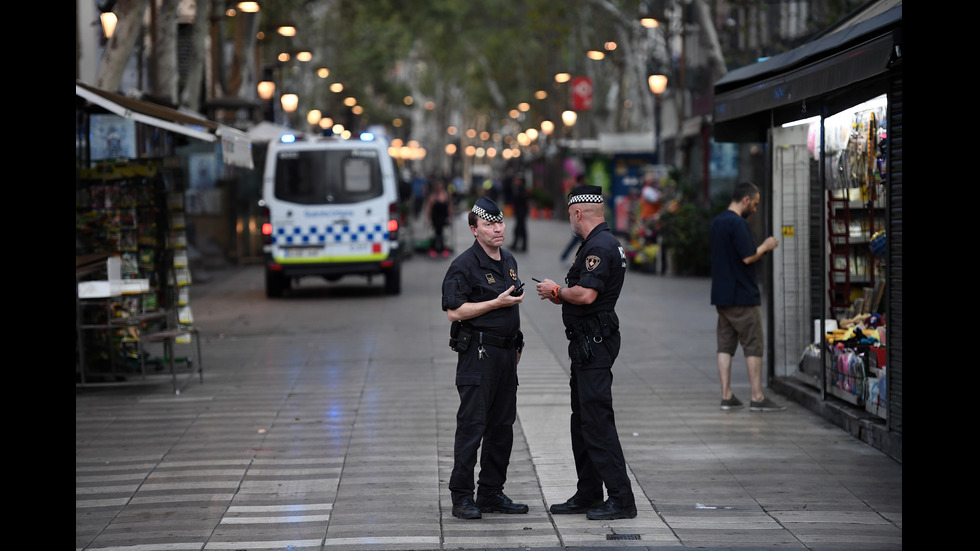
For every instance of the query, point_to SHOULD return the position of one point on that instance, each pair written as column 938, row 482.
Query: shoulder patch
column 591, row 262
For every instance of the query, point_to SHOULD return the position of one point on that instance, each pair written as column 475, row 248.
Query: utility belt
column 583, row 333
column 462, row 336
column 594, row 328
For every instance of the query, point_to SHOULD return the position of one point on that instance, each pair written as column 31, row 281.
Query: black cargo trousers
column 595, row 441
column 487, row 411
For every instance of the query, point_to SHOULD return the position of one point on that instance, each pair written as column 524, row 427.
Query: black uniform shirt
column 475, row 277
column 600, row 264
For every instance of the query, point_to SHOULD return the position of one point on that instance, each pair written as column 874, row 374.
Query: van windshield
column 335, row 176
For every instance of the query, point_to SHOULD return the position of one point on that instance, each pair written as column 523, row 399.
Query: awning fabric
column 235, row 145
column 268, row 132
column 848, row 56
column 622, row 143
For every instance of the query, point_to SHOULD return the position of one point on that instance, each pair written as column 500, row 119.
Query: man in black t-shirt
column 735, row 294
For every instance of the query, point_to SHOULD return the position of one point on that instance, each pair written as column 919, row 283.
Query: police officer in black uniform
column 588, row 303
column 481, row 293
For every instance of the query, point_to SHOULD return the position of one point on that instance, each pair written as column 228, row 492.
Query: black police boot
column 465, row 508
column 611, row 510
column 576, row 505
column 499, row 503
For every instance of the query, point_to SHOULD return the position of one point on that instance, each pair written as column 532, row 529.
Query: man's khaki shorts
column 740, row 324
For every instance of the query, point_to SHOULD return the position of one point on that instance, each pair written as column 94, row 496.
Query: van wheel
column 393, row 281
column 275, row 284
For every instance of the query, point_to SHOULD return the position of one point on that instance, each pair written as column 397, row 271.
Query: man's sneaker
column 765, row 405
column 731, row 403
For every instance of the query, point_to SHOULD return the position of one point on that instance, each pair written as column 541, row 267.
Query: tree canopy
column 479, row 58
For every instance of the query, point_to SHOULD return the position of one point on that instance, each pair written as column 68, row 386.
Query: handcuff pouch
column 459, row 337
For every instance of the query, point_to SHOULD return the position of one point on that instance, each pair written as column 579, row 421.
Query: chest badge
column 490, row 279
column 591, row 262
column 513, row 274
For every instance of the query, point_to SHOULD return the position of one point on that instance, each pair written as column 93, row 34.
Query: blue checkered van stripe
column 314, row 235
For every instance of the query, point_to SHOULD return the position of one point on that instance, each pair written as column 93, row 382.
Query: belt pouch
column 608, row 323
column 463, row 341
column 580, row 350
column 459, row 337
column 454, row 334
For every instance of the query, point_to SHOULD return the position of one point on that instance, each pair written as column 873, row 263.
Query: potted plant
column 542, row 203
column 685, row 226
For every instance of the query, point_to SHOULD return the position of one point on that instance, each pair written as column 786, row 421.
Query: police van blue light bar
column 287, row 138
column 367, row 137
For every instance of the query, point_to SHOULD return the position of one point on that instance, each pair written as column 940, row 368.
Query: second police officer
column 588, row 301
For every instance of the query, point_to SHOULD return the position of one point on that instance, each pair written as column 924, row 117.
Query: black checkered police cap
column 486, row 209
column 585, row 194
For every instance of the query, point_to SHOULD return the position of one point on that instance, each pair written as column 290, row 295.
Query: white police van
column 331, row 208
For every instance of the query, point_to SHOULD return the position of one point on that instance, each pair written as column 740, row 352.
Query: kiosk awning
column 235, row 145
column 848, row 56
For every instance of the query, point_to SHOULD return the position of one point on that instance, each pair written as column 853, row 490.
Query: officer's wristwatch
column 556, row 292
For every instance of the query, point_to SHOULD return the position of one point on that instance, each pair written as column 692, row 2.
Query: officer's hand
column 509, row 300
column 544, row 288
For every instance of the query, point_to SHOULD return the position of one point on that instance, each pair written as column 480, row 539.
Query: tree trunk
column 248, row 28
column 190, row 96
column 163, row 52
column 715, row 55
column 235, row 68
column 120, row 47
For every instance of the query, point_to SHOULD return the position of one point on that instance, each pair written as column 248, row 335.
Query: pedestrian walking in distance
column 521, row 197
column 438, row 213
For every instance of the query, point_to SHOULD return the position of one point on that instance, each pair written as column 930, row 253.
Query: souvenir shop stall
column 850, row 344
column 830, row 113
column 133, row 317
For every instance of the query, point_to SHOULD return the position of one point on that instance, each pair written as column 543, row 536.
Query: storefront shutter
column 894, row 259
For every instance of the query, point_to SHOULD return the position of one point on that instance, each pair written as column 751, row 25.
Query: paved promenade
column 325, row 422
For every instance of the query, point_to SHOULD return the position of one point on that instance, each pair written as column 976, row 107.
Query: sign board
column 581, row 94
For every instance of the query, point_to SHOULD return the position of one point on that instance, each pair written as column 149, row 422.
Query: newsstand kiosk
column 830, row 113
column 132, row 274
